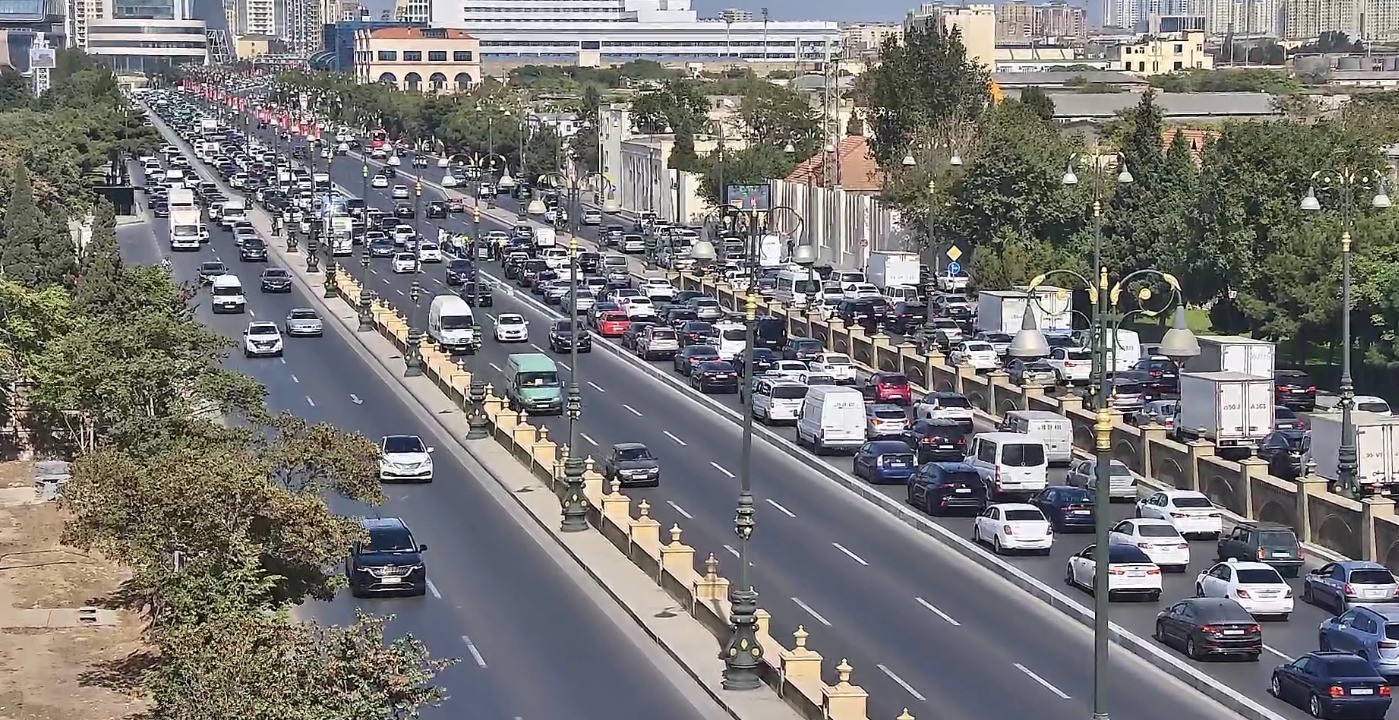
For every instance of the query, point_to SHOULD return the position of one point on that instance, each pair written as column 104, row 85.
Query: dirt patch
column 68, row 673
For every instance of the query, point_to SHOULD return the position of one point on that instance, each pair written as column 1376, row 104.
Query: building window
column 461, row 56
column 1179, row 65
column 388, row 55
column 412, row 56
column 1179, row 48
column 437, row 56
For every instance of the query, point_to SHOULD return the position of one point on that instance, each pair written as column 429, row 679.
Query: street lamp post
column 575, row 512
column 476, row 257
column 1179, row 343
column 413, row 358
column 1345, row 181
column 366, row 296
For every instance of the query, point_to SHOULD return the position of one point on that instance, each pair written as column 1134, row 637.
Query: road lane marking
column 936, row 611
column 400, row 292
column 731, row 550
column 293, row 379
column 284, row 360
column 902, row 683
column 631, row 409
column 251, row 313
column 475, row 654
column 433, row 589
column 721, row 469
column 565, row 366
column 852, row 555
column 590, row 440
column 536, row 347
column 680, row 510
column 676, row 439
column 596, row 387
column 1279, row 653
column 811, row 612
column 781, row 509
column 496, row 368
column 310, row 402
column 355, row 399
column 1047, row 685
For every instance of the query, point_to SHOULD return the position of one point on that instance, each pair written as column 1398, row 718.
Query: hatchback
column 1338, row 585
column 887, row 387
column 884, row 462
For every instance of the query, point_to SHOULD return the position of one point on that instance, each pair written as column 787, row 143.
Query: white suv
column 262, row 339
column 404, row 457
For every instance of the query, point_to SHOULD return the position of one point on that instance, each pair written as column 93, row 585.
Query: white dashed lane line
column 781, row 509
column 433, row 589
column 721, row 469
column 596, row 387
column 310, row 402
column 295, row 379
column 811, row 612
column 902, row 683
column 590, row 440
column 475, row 653
column 676, row 439
column 849, row 554
column 680, row 510
column 632, row 410
column 934, row 610
column 1044, row 683
column 1279, row 653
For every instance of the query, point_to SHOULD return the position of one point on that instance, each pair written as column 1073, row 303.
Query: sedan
column 405, row 262
column 1338, row 585
column 275, row 280
column 1157, row 538
column 210, row 269
column 692, row 355
column 304, row 322
column 714, row 376
column 400, row 192
column 1122, row 484
column 1206, row 627
column 1013, row 526
column 1069, row 509
column 884, row 462
column 1285, row 418
column 1025, row 373
column 1256, row 586
column 382, row 181
column 511, row 327
column 592, row 217
column 1332, row 684
column 381, row 248
column 1130, row 572
column 975, row 354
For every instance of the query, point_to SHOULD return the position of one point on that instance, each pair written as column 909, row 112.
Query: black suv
column 562, row 337
column 1295, row 389
column 468, row 291
column 1266, row 542
column 941, row 486
column 390, row 561
column 938, row 440
column 436, row 209
column 276, row 280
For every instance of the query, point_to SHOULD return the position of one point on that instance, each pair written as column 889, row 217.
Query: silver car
column 304, row 322
column 1156, row 412
column 1122, row 484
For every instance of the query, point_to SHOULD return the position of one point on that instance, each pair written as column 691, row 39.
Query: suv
column 1266, row 542
column 389, row 560
column 262, row 339
column 252, row 249
column 1294, row 389
column 939, row 486
column 657, row 342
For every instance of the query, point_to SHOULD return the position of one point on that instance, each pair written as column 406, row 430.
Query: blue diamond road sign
column 954, row 267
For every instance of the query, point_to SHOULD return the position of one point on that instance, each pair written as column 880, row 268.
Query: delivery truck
column 1003, row 311
column 1228, row 353
column 892, row 268
column 1376, row 450
column 186, row 228
column 1229, row 409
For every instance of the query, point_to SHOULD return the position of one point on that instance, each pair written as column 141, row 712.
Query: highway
column 536, row 641
column 868, row 588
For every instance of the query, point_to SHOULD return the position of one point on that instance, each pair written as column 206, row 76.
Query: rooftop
column 1062, row 78
column 1070, row 106
column 419, row 33
column 855, row 167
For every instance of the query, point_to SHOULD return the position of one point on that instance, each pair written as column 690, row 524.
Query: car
column 449, row 181
column 937, row 440
column 1210, row 627
column 977, row 355
column 1283, row 450
column 1122, row 484
column 789, row 369
column 511, row 327
column 1272, row 543
column 262, row 339
column 404, row 457
column 884, row 420
column 1030, row 373
column 399, row 192
column 405, row 262
column 252, row 249
column 429, row 252
column 1009, row 527
column 304, row 322
column 943, row 405
column 381, row 248
column 692, row 355
column 1373, row 404
column 1294, row 389
column 1157, row 538
column 1068, row 508
column 1256, row 586
column 1368, row 631
column 889, row 387
column 386, row 560
column 631, row 465
column 404, row 211
column 714, row 376
column 1193, row 514
column 1156, row 412
column 1130, row 572
column 884, row 462
column 382, row 181
column 563, row 336
column 1332, row 684
column 1338, row 585
column 210, row 269
column 436, row 209
column 275, row 280
column 938, row 487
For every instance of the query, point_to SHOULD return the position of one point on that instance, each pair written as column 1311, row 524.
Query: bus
column 378, row 139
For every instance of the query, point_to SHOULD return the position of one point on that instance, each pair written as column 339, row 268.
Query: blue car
column 1339, row 585
column 1068, row 508
column 885, row 462
column 1332, row 684
column 1367, row 631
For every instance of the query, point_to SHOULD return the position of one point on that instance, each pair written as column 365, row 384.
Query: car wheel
column 1069, row 576
column 976, row 533
column 1307, row 594
column 1191, row 651
column 1315, row 708
column 1159, row 634
column 996, row 545
column 1275, row 687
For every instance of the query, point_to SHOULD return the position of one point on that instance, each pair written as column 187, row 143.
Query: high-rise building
column 141, row 36
column 412, row 11
column 1020, row 22
column 302, row 29
column 1245, row 17
column 256, row 17
column 864, row 40
column 1015, row 23
column 80, row 13
column 977, row 24
column 1360, row 19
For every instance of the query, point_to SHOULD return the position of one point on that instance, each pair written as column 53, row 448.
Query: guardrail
column 1366, row 529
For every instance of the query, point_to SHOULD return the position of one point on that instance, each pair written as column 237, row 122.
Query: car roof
column 1014, row 506
column 630, row 446
column 262, row 323
column 1247, row 565
column 383, row 523
column 1185, row 493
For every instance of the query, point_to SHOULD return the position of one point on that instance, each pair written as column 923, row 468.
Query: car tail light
column 1311, row 388
column 1242, row 593
column 1389, row 644
column 1007, row 530
column 1254, row 628
column 1336, row 691
column 1144, row 545
column 1154, row 571
column 1116, row 571
column 1384, row 691
column 1349, row 590
column 1183, row 546
column 1301, row 553
column 961, row 441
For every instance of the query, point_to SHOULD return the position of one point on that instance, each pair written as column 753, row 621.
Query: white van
column 1122, row 357
column 832, row 417
column 235, row 210
column 555, row 257
column 732, row 337
column 1054, row 429
column 452, row 325
column 226, row 295
column 777, row 401
column 1010, row 462
column 795, row 285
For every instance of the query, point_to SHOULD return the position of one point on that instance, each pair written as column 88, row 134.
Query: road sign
column 954, row 267
column 953, row 253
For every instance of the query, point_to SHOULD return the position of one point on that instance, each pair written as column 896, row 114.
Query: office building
column 300, row 26
column 1244, row 17
column 80, row 13
column 142, row 36
column 594, row 32
column 256, row 17
column 977, row 24
column 1020, row 23
column 414, row 59
column 412, row 11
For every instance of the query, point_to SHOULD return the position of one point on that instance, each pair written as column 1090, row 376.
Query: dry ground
column 59, row 674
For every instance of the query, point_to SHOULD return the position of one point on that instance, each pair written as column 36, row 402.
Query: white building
column 257, row 17
column 138, row 36
column 594, row 31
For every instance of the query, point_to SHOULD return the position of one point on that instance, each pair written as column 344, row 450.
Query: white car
column 1074, row 366
column 401, row 234
column 404, row 457
column 944, row 406
column 443, row 162
column 1010, row 527
column 380, row 181
column 592, row 217
column 1254, row 585
column 511, row 327
column 449, row 180
column 1157, row 538
column 1122, row 484
column 394, row 161
column 1193, row 514
column 399, row 192
column 637, row 306
column 1130, row 572
column 405, row 262
column 856, row 291
column 1373, row 404
column 977, row 354
column 429, row 252
column 262, row 339
column 657, row 288
column 834, row 364
column 789, row 369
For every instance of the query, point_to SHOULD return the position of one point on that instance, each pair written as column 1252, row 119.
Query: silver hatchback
column 1370, row 631
column 304, row 322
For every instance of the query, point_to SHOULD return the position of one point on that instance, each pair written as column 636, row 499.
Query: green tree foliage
column 855, row 127
column 1039, row 102
column 675, row 105
column 1275, row 82
column 1332, row 41
column 23, row 228
column 99, row 266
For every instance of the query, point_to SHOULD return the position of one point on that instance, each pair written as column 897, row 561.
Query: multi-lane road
column 924, row 628
column 535, row 638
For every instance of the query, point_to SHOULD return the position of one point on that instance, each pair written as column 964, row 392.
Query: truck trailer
column 1229, row 353
column 1229, row 409
column 1376, row 450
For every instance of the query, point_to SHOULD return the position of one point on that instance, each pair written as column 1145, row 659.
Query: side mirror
column 422, row 548
column 431, row 449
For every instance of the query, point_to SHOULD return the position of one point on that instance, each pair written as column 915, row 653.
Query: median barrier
column 794, row 673
column 1324, row 520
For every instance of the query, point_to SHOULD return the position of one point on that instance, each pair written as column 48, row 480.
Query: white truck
column 544, row 236
column 1003, row 311
column 1231, row 410
column 1228, row 353
column 891, row 268
column 339, row 230
column 1376, row 449
column 186, row 224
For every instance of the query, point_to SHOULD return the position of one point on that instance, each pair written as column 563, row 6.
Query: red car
column 887, row 387
column 613, row 324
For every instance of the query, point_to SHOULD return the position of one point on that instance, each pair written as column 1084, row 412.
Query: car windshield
column 395, row 540
column 1076, row 496
column 1374, row 407
column 1191, row 501
column 1259, row 576
column 1026, row 514
column 457, row 322
column 889, row 414
column 403, row 444
column 1022, row 455
column 1119, row 470
column 628, row 454
column 262, row 330
column 793, row 392
column 539, row 379
column 1157, row 531
column 227, row 290
column 735, row 334
column 278, row 273
column 893, row 380
column 303, row 315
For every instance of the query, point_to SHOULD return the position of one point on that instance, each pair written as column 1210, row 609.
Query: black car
column 1209, row 626
column 381, row 248
column 631, row 465
column 389, row 560
column 691, row 356
column 635, row 330
column 459, row 271
column 210, row 269
column 938, row 440
column 695, row 332
column 905, row 316
column 475, row 298
column 589, row 261
column 1160, row 375
column 253, row 249
column 770, row 333
column 1266, row 542
column 563, row 335
column 763, row 360
column 160, row 209
column 1067, row 508
column 404, row 210
column 941, row 486
column 714, row 376
column 1295, row 389
column 868, row 313
column 436, row 209
column 1330, row 684
column 275, row 280
column 801, row 348
column 1282, row 450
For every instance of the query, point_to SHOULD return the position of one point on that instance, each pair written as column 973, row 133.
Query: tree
column 855, row 127
column 100, row 266
column 23, row 226
column 780, row 117
column 676, row 104
column 749, row 166
column 1039, row 102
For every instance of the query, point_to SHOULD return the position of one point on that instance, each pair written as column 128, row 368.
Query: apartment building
column 140, row 36
column 412, row 11
column 977, row 24
column 255, row 17
column 862, row 41
column 1019, row 23
column 1245, row 17
column 1371, row 20
column 1161, row 54
column 414, row 59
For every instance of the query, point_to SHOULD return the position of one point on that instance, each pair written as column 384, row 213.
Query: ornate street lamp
column 413, row 358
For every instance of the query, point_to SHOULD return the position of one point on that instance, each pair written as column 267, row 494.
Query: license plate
column 1362, row 691
column 944, row 447
column 1233, row 632
column 1282, row 553
column 1080, row 512
column 392, row 580
column 964, row 491
column 1137, row 573
column 898, row 464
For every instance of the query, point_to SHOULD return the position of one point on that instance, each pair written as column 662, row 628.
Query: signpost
column 953, row 268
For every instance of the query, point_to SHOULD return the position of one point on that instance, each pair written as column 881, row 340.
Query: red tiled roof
column 856, row 169
column 412, row 33
column 1194, row 138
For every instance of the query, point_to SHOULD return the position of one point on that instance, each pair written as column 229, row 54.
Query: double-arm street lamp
column 1344, row 183
column 366, row 296
column 413, row 358
column 929, row 281
column 1108, row 315
column 742, row 654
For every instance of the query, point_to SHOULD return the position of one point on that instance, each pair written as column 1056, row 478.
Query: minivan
column 832, row 417
column 227, row 295
column 1010, row 463
column 1054, row 429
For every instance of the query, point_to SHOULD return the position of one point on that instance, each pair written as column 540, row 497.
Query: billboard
column 43, row 58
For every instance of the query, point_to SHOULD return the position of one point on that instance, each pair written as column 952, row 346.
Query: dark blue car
column 1332, row 684
column 885, row 462
column 1068, row 508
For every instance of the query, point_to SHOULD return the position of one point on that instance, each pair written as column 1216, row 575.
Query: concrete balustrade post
column 800, row 663
column 764, row 619
column 544, row 450
column 1069, row 402
column 1198, row 450
column 677, row 558
column 1308, row 487
column 524, row 433
column 844, row 700
column 1372, row 509
column 904, row 715
column 1151, row 435
column 616, row 506
column 1253, row 468
column 710, row 586
column 505, row 419
column 592, row 482
column 644, row 529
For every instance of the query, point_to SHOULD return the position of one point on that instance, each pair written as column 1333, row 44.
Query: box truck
column 1376, row 450
column 1003, row 311
column 1228, row 353
column 891, row 268
column 1229, row 409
